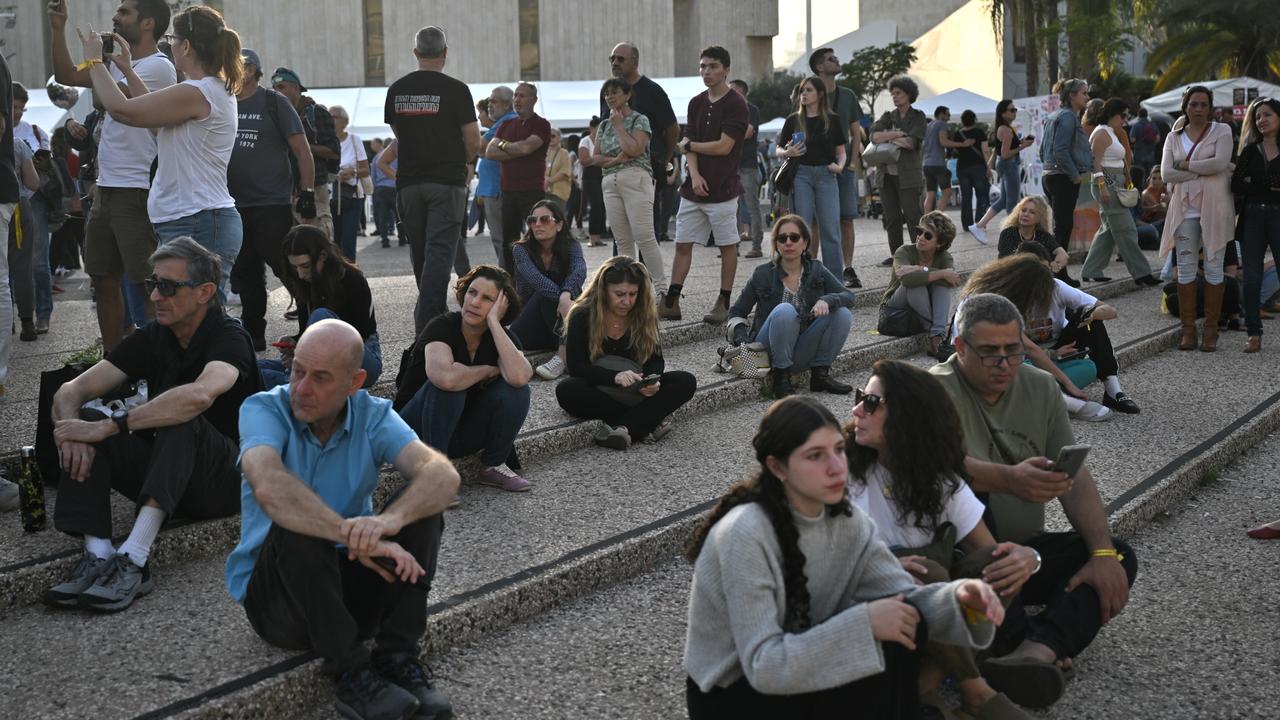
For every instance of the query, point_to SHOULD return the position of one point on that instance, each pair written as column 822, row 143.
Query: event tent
column 1223, row 94
column 959, row 100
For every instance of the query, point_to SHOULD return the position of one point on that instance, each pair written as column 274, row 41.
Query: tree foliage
column 868, row 72
column 772, row 94
column 1207, row 39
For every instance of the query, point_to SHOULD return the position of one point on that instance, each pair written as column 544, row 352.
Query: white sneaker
column 979, row 234
column 551, row 369
column 1093, row 412
column 8, row 495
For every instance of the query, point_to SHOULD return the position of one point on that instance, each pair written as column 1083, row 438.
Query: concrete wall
column 914, row 17
column 577, row 36
column 31, row 63
column 735, row 25
column 289, row 38
column 483, row 35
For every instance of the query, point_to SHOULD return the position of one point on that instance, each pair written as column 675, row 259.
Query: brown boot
column 671, row 311
column 1212, row 309
column 1187, row 313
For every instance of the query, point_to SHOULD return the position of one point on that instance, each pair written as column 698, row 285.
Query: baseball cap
column 284, row 74
column 251, row 57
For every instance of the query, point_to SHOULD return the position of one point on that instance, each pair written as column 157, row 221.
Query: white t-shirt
column 962, row 509
column 1192, row 211
column 125, row 153
column 1065, row 298
column 352, row 153
column 1113, row 156
column 192, row 175
column 26, row 132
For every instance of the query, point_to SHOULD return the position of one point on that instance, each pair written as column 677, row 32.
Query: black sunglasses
column 870, row 403
column 921, row 232
column 788, row 238
column 167, row 288
column 539, row 220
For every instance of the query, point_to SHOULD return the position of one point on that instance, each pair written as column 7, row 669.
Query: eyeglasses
column 167, row 288
column 997, row 360
column 926, row 234
column 539, row 220
column 870, row 403
column 788, row 238
column 616, row 59
column 172, row 39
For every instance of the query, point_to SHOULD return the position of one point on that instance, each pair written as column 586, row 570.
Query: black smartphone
column 1073, row 356
column 1071, row 459
column 649, row 380
column 390, row 566
column 108, row 45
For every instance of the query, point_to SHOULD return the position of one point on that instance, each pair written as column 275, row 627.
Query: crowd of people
column 195, row 179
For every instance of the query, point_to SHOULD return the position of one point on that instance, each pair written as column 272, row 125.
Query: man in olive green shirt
column 1014, row 420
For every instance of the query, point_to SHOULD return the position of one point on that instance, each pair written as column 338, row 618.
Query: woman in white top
column 906, row 464
column 353, row 166
column 1111, row 174
column 196, row 122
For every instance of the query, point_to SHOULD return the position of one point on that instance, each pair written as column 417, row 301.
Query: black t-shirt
column 820, row 147
column 1010, row 239
column 446, row 328
column 428, row 109
column 751, row 145
column 578, row 352
column 972, row 155
column 353, row 305
column 153, row 354
column 649, row 99
column 8, row 166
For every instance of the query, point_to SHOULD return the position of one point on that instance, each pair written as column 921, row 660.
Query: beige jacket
column 1206, row 182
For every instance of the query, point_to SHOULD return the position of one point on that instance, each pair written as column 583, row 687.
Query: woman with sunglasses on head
column 612, row 352
column 1008, row 156
column 549, row 275
column 324, row 284
column 1111, row 160
column 1257, row 180
column 797, row 610
column 1197, row 167
column 464, row 384
column 803, row 312
column 906, row 469
column 813, row 137
column 924, row 277
column 195, row 123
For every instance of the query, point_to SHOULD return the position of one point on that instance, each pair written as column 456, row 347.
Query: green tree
column 772, row 94
column 868, row 72
column 1038, row 22
column 1208, row 39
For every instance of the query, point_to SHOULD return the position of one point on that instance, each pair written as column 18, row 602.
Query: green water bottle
column 31, row 492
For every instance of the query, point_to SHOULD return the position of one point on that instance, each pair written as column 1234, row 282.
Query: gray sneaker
column 83, row 576
column 8, row 495
column 117, row 587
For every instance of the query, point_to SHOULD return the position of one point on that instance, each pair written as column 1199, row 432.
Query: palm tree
column 1038, row 22
column 1215, row 38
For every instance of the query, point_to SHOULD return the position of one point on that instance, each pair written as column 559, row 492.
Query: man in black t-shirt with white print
column 434, row 119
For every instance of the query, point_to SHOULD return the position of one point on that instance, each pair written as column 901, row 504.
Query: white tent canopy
column 957, row 101
column 1223, row 94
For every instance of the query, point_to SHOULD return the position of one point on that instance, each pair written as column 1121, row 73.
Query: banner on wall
column 1032, row 113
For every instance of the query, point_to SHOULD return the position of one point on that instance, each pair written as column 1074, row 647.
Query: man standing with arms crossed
column 118, row 233
column 434, row 119
column 521, row 146
column 489, row 189
column 718, row 120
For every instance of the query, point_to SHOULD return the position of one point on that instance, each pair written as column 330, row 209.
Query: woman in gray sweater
column 796, row 609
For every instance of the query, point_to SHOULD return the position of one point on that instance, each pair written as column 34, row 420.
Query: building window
column 375, row 70
column 530, row 41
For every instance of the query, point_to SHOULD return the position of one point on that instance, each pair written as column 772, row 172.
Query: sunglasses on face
column 167, row 288
column 788, row 238
column 926, row 234
column 533, row 220
column 870, row 403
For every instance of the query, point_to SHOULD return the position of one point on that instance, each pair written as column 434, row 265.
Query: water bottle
column 31, row 492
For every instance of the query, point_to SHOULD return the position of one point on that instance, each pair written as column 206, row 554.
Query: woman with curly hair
column 549, row 275
column 1031, row 221
column 923, row 278
column 797, row 610
column 906, row 468
column 614, row 359
column 902, row 182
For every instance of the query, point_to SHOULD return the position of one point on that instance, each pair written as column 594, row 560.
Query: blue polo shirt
column 343, row 473
column 488, row 171
column 380, row 179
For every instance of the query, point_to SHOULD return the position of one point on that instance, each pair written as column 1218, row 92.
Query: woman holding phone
column 812, row 136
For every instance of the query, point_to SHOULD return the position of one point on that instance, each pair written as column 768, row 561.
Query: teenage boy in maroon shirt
column 718, row 120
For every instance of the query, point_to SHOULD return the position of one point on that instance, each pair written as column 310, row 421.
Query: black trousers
column 1063, row 195
column 1101, row 351
column 188, row 469
column 538, row 324
column 1070, row 620
column 592, row 177
column 264, row 231
column 516, row 206
column 892, row 694
column 582, row 399
column 305, row 594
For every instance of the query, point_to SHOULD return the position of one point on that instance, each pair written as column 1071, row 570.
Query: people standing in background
column 812, row 136
column 385, row 217
column 489, row 188
column 901, row 182
column 520, row 145
column 972, row 170
column 353, row 166
column 749, row 200
column 559, row 172
column 592, row 190
column 1144, row 138
column 937, row 177
column 1067, row 159
column 1008, row 149
column 39, row 213
column 326, row 153
column 1257, row 180
column 844, row 103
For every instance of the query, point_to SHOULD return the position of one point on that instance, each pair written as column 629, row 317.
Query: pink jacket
column 1207, row 183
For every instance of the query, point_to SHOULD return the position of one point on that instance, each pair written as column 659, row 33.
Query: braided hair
column 786, row 426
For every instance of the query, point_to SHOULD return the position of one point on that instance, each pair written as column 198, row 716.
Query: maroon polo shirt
column 528, row 172
column 707, row 121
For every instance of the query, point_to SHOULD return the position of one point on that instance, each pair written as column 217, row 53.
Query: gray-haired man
column 434, row 119
column 175, row 453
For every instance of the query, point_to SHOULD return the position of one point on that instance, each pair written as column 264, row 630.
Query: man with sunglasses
column 173, row 454
column 1013, row 421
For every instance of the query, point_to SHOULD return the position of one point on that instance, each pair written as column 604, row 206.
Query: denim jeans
column 1010, row 175
column 973, row 179
column 42, row 278
column 481, row 418
column 384, row 211
column 816, row 198
column 274, row 372
column 1187, row 245
column 135, row 303
column 1261, row 231
column 218, row 231
column 347, row 227
column 817, row 346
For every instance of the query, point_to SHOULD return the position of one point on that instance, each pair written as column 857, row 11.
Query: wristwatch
column 925, row 268
column 1039, row 562
column 121, row 419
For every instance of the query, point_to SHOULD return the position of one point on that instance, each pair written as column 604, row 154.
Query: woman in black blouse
column 616, row 371
column 324, row 284
column 1256, row 181
column 813, row 137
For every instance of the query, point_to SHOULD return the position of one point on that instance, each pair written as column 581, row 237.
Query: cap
column 284, row 74
column 251, row 57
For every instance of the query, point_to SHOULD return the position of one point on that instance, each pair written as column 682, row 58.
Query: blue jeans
column 274, row 373
column 1009, row 173
column 135, row 303
column 461, row 422
column 43, row 279
column 816, row 198
column 218, row 231
column 347, row 227
column 1261, row 231
column 384, row 211
column 847, row 182
column 817, row 346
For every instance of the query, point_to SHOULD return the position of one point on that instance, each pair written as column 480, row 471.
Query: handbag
column 898, row 322
column 885, row 153
column 784, row 176
column 629, row 396
column 1128, row 197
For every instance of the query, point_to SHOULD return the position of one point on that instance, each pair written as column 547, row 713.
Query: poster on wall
column 1032, row 113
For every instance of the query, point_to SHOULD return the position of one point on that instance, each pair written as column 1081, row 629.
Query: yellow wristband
column 1119, row 556
column 88, row 64
column 973, row 617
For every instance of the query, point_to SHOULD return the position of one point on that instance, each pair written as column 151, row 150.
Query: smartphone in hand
column 1071, row 459
column 649, row 380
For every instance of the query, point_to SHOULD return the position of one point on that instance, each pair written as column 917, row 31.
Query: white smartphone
column 1071, row 459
